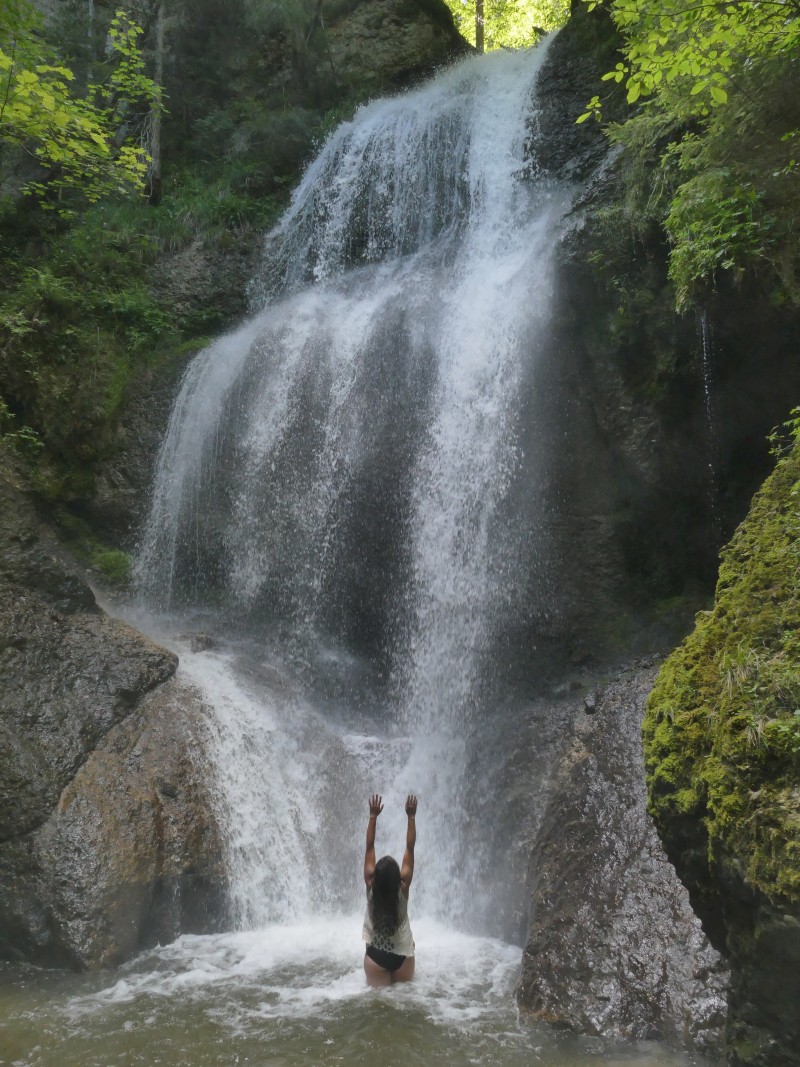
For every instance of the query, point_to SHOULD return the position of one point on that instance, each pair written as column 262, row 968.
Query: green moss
column 722, row 729
column 115, row 566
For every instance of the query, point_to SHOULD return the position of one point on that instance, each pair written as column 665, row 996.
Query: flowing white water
column 706, row 331
column 335, row 481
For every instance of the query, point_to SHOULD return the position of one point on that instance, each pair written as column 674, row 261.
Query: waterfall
column 707, row 359
column 335, row 488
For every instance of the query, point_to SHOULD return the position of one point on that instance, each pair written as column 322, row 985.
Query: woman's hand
column 375, row 805
column 411, row 806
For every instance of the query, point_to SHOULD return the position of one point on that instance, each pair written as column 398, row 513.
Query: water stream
column 335, row 479
column 343, row 504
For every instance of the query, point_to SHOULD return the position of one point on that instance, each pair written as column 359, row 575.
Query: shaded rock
column 580, row 55
column 106, row 843
column 613, row 946
column 130, row 856
column 28, row 557
column 122, row 479
column 381, row 42
column 201, row 642
column 65, row 680
column 68, row 673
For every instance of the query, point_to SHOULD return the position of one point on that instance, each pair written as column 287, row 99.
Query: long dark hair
column 385, row 895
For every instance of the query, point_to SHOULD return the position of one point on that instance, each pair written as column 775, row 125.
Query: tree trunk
column 155, row 133
column 479, row 25
column 90, row 40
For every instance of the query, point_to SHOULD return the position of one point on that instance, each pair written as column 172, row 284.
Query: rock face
column 722, row 741
column 653, row 451
column 613, row 946
column 218, row 59
column 130, row 854
column 385, row 42
column 104, row 822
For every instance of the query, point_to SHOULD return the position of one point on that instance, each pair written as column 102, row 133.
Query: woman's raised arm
column 375, row 808
column 407, row 870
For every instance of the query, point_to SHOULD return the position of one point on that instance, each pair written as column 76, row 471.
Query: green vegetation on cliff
column 83, row 137
column 722, row 731
column 712, row 142
column 103, row 295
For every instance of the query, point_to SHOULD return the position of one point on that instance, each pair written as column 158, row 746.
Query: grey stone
column 380, row 42
column 65, row 681
column 130, row 855
column 201, row 642
column 107, row 841
column 613, row 946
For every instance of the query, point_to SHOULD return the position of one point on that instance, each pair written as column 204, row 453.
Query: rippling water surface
column 290, row 994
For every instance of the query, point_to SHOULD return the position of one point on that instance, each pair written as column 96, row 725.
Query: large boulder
column 68, row 673
column 613, row 946
column 722, row 741
column 129, row 856
column 104, row 823
column 378, row 43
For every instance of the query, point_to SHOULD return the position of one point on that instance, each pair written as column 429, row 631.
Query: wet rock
column 106, row 843
column 383, row 42
column 201, row 642
column 65, row 681
column 122, row 479
column 613, row 946
column 590, row 703
column 578, row 58
column 68, row 673
column 130, row 856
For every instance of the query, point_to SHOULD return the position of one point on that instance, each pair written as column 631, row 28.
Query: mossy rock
column 722, row 731
column 722, row 747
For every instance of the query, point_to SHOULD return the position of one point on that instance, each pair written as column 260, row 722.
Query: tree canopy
column 714, row 88
column 85, row 140
column 510, row 23
column 687, row 52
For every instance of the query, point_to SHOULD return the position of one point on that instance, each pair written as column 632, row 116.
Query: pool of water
column 291, row 994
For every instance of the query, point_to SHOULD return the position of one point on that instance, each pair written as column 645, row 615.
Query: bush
column 114, row 565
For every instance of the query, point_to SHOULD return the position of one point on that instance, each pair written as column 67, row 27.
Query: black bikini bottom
column 390, row 961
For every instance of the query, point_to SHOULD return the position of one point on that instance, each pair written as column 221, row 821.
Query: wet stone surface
column 613, row 946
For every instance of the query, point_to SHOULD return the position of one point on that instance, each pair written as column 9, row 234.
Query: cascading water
column 335, row 475
column 706, row 332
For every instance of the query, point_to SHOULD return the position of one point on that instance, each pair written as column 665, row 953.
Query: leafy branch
column 81, row 141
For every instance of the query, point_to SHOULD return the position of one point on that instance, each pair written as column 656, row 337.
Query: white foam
column 299, row 970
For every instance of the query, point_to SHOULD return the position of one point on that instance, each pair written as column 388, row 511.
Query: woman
column 389, row 956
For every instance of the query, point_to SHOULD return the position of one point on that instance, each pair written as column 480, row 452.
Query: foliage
column 20, row 439
column 783, row 438
column 717, row 95
column 510, row 23
column 76, row 139
column 81, row 317
column 722, row 731
column 113, row 564
column 687, row 55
